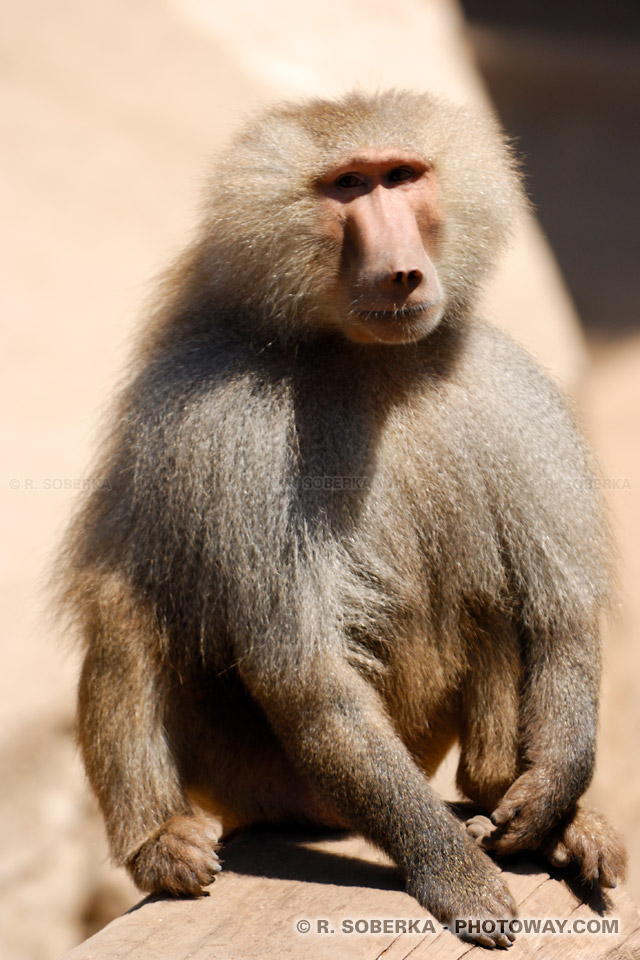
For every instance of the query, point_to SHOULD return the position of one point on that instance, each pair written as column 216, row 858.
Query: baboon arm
column 558, row 720
column 336, row 732
column 560, row 707
column 121, row 731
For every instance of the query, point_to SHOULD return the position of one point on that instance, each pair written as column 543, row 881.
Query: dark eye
column 398, row 174
column 349, row 181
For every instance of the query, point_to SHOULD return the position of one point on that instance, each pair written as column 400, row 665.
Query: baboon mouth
column 398, row 313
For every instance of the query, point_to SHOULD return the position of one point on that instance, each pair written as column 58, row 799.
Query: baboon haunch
column 342, row 523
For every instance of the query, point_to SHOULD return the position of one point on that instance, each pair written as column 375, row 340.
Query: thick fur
column 313, row 564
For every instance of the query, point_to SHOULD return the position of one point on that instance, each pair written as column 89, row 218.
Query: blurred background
column 108, row 112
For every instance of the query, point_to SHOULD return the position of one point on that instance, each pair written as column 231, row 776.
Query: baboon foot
column 588, row 840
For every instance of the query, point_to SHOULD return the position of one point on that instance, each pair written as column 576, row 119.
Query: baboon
column 340, row 523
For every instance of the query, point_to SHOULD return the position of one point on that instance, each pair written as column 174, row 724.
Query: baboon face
column 381, row 208
column 377, row 217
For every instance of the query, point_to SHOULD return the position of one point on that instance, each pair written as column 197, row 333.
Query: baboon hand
column 471, row 892
column 179, row 858
column 525, row 815
column 584, row 838
column 481, row 829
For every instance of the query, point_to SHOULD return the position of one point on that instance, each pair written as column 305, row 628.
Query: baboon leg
column 490, row 709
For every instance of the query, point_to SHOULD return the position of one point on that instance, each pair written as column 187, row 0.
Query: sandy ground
column 108, row 112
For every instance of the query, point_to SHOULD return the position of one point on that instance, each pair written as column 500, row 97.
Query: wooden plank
column 338, row 888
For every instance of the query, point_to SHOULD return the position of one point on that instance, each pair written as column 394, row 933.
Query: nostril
column 400, row 283
column 409, row 278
